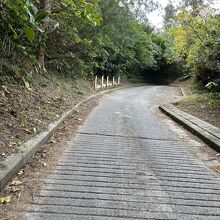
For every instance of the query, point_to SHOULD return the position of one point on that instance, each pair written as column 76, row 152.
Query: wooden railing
column 104, row 82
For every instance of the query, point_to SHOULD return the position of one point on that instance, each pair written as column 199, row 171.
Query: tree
column 81, row 38
column 195, row 43
column 195, row 3
column 192, row 3
column 21, row 31
column 45, row 7
column 168, row 18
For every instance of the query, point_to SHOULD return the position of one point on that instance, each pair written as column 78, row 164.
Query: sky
column 156, row 17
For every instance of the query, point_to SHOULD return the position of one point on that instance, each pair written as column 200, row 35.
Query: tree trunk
column 45, row 5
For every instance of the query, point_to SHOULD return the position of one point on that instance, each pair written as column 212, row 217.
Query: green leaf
column 41, row 16
column 30, row 34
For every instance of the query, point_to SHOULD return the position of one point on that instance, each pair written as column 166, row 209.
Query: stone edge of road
column 205, row 131
column 12, row 164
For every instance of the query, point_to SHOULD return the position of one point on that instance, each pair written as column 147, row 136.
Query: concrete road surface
column 125, row 164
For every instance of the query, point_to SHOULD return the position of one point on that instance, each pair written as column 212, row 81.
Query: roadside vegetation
column 76, row 39
column 80, row 39
column 193, row 33
column 205, row 106
column 192, row 30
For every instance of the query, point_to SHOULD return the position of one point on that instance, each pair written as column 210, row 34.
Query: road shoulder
column 207, row 132
column 30, row 179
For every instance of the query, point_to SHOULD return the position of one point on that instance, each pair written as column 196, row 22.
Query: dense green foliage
column 194, row 35
column 82, row 38
column 111, row 37
column 21, row 31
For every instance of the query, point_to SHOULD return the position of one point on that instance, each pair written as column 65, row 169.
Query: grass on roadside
column 209, row 100
column 205, row 106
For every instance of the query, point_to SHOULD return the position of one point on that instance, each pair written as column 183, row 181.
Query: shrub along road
column 125, row 164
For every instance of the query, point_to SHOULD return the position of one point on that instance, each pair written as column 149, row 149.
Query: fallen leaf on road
column 44, row 164
column 20, row 172
column 28, row 131
column 52, row 141
column 5, row 199
column 16, row 183
column 14, row 189
column 5, row 89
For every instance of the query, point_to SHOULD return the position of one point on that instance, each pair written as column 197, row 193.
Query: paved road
column 124, row 164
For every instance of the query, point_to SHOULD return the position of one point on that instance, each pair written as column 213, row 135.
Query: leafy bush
column 196, row 43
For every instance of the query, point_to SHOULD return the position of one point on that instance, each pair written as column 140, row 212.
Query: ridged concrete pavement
column 124, row 164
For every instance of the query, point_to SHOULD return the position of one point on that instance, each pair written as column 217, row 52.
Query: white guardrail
column 104, row 82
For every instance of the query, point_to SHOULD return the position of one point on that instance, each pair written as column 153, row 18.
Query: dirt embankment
column 26, row 111
column 28, row 182
column 205, row 106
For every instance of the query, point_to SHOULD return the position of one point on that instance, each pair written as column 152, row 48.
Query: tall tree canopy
column 78, row 38
column 89, row 37
column 195, row 41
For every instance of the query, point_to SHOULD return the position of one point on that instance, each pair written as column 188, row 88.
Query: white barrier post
column 95, row 82
column 102, row 86
column 107, row 81
column 119, row 78
column 113, row 81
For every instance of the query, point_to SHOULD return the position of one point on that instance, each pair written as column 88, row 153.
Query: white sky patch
column 156, row 17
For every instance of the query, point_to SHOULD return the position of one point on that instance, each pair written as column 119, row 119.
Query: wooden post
column 113, row 81
column 102, row 86
column 119, row 78
column 95, row 82
column 107, row 79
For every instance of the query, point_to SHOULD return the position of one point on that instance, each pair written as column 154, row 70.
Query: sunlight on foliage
column 196, row 39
